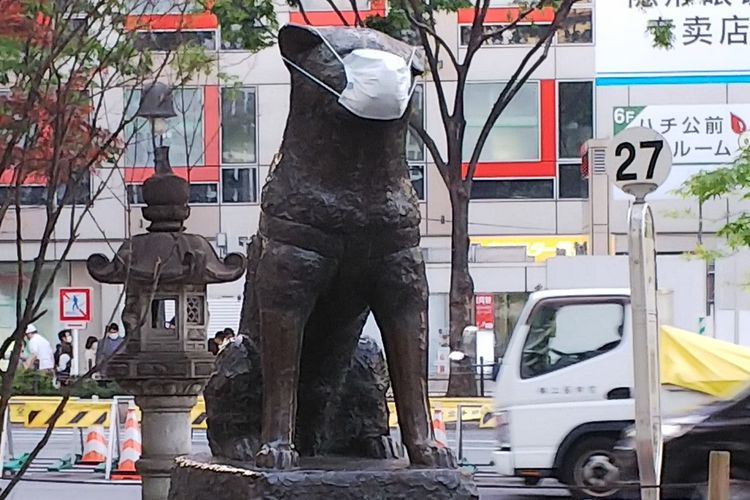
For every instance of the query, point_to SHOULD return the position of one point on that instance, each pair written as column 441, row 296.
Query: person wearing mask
column 107, row 347
column 63, row 357
column 40, row 355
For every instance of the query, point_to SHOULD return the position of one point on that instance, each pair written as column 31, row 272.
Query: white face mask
column 379, row 84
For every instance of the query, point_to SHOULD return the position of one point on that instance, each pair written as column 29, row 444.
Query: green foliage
column 36, row 383
column 247, row 24
column 725, row 181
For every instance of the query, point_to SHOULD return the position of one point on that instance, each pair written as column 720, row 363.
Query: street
column 76, row 484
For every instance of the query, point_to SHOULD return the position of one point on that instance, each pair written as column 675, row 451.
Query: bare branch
column 432, row 148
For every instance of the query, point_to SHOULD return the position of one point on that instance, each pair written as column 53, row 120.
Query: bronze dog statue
column 338, row 238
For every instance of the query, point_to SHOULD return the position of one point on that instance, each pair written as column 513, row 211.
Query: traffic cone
column 95, row 448
column 130, row 450
column 438, row 428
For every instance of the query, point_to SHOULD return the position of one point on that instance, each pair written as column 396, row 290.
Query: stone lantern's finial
column 166, row 196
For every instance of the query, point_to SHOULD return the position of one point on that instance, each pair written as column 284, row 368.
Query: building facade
column 529, row 199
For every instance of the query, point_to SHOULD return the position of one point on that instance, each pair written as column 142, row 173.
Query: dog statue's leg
column 399, row 303
column 289, row 279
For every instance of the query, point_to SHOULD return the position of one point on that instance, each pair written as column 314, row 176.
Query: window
column 27, row 195
column 575, row 116
column 36, row 195
column 239, row 185
column 521, row 34
column 199, row 193
column 135, row 194
column 572, row 185
column 184, row 135
column 238, row 125
column 515, row 189
column 575, row 102
column 239, row 172
column 563, row 335
column 416, row 173
column 515, row 135
column 575, row 29
column 204, row 193
column 324, row 5
column 415, row 154
column 80, row 190
column 172, row 40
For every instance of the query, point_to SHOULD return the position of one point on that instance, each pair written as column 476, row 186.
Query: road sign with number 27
column 638, row 160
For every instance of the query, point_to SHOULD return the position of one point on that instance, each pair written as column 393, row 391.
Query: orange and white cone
column 95, row 448
column 438, row 428
column 130, row 451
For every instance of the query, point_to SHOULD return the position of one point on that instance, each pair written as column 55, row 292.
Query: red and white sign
column 74, row 305
column 484, row 312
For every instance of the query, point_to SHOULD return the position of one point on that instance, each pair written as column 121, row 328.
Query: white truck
column 563, row 393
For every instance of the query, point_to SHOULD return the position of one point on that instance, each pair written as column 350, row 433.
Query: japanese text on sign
column 730, row 29
column 625, row 41
column 704, row 134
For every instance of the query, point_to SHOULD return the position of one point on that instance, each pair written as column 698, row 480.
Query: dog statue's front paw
column 277, row 456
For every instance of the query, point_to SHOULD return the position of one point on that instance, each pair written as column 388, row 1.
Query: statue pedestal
column 201, row 477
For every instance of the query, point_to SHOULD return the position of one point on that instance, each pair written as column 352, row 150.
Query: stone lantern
column 165, row 362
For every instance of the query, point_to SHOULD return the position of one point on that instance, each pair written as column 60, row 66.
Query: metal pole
column 75, row 367
column 642, row 256
column 113, row 424
column 4, row 442
column 460, row 431
column 481, row 375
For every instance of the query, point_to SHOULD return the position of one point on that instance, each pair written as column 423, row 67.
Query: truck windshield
column 563, row 335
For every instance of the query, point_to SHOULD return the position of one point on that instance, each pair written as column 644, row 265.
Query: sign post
column 638, row 161
column 74, row 311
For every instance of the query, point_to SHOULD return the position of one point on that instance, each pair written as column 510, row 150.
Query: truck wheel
column 589, row 469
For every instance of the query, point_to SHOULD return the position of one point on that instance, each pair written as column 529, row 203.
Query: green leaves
column 733, row 180
column 247, row 24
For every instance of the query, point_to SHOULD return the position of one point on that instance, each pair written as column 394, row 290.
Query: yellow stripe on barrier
column 198, row 415
column 35, row 412
column 76, row 414
column 18, row 404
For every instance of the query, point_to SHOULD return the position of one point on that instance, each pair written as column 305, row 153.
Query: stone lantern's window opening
column 163, row 314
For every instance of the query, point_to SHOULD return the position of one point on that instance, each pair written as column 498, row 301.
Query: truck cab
column 563, row 393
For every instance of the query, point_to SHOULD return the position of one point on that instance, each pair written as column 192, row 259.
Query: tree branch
column 432, row 148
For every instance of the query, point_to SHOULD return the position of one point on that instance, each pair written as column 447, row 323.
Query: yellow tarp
column 701, row 363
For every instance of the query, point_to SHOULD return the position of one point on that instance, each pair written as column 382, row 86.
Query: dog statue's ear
column 295, row 39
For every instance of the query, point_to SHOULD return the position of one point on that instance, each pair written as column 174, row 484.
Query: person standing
column 92, row 343
column 63, row 356
column 107, row 347
column 40, row 356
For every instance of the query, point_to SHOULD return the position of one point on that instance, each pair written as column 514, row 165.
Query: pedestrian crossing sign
column 74, row 305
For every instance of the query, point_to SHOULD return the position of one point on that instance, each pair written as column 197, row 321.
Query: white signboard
column 708, row 134
column 701, row 137
column 711, row 37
